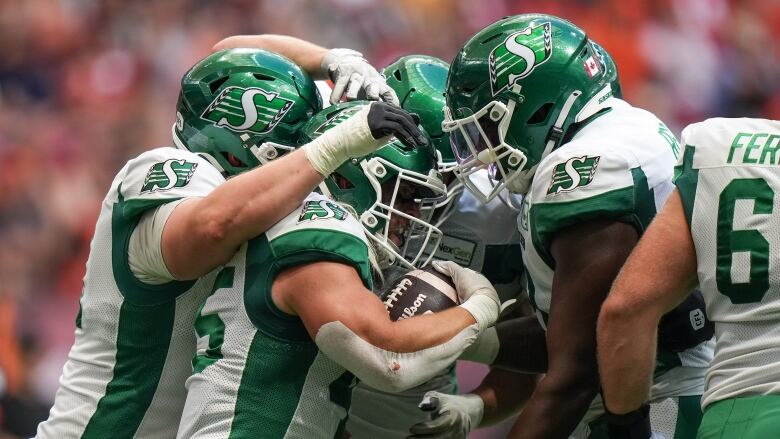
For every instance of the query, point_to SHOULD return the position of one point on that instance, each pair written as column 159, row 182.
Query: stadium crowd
column 86, row 84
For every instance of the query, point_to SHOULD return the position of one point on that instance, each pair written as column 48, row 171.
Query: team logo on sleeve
column 247, row 109
column 321, row 209
column 573, row 173
column 337, row 118
column 168, row 174
column 519, row 55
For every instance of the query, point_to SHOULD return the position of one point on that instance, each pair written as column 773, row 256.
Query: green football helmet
column 420, row 82
column 380, row 184
column 610, row 69
column 514, row 91
column 240, row 108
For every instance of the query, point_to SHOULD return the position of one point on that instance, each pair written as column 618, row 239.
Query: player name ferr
column 757, row 148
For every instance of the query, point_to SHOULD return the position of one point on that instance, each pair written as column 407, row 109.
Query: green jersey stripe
column 686, row 182
column 143, row 339
column 271, row 384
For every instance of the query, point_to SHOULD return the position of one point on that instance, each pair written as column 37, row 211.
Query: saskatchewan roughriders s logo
column 336, row 119
column 573, row 173
column 247, row 109
column 321, row 209
column 519, row 55
column 168, row 174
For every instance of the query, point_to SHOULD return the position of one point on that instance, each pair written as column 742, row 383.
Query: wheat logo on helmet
column 336, row 119
column 519, row 55
column 247, row 109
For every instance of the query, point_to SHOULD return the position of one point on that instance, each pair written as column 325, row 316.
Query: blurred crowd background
column 87, row 84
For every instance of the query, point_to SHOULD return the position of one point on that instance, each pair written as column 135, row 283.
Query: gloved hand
column 452, row 416
column 363, row 133
column 354, row 77
column 475, row 292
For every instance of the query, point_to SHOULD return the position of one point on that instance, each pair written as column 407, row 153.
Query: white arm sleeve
column 485, row 349
column 144, row 253
column 389, row 371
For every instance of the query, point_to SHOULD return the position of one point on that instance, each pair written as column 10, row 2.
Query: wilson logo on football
column 519, row 55
column 247, row 109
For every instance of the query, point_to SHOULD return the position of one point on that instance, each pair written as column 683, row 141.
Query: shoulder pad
column 163, row 175
column 321, row 230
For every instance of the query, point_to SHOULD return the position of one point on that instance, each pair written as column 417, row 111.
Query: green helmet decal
column 513, row 92
column 247, row 109
column 382, row 185
column 336, row 117
column 520, row 53
column 240, row 108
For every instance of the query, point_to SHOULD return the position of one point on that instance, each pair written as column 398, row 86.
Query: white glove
column 351, row 73
column 475, row 292
column 452, row 416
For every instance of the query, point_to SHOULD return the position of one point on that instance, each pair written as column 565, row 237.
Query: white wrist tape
column 351, row 138
column 485, row 349
column 389, row 371
column 484, row 309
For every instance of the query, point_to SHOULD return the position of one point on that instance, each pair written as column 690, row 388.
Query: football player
column 170, row 218
column 292, row 317
column 529, row 99
column 419, row 81
column 718, row 229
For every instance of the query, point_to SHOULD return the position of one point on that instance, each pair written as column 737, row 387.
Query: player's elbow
column 578, row 383
column 617, row 310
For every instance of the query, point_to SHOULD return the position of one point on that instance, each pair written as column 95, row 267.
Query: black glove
column 389, row 120
column 632, row 425
column 686, row 325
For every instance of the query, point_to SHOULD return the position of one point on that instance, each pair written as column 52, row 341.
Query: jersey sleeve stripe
column 687, row 181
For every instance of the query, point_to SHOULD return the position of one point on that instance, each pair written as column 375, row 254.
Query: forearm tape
column 485, row 349
column 389, row 371
column 351, row 138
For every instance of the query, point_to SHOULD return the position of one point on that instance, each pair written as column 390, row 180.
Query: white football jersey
column 257, row 373
column 729, row 184
column 618, row 167
column 125, row 373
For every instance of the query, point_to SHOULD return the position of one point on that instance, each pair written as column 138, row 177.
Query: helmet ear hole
column 342, row 182
column 233, row 160
column 397, row 74
column 540, row 115
column 214, row 85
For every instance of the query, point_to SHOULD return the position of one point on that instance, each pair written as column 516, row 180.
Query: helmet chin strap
column 522, row 182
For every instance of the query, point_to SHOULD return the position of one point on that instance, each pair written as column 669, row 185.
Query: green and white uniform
column 126, row 371
column 257, row 372
column 617, row 167
column 729, row 184
column 495, row 252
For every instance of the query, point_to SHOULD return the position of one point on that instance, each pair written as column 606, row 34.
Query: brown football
column 419, row 292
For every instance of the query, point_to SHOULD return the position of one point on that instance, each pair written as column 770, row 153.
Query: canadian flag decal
column 591, row 66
